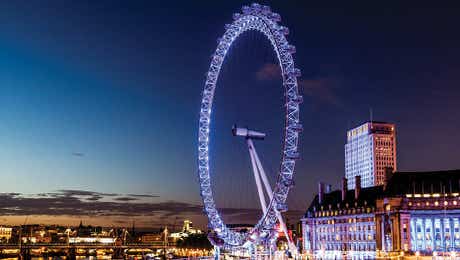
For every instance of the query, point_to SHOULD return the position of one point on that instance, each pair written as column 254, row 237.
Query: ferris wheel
column 259, row 18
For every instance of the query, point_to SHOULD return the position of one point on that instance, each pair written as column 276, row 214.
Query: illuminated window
column 437, row 235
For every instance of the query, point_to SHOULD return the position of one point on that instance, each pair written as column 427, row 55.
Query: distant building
column 150, row 238
column 101, row 240
column 187, row 229
column 35, row 233
column 84, row 231
column 187, row 225
column 370, row 149
column 36, row 239
column 5, row 233
column 413, row 213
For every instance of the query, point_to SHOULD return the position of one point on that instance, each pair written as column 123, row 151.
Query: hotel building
column 370, row 148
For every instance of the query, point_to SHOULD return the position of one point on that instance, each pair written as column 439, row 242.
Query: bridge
column 119, row 251
column 154, row 245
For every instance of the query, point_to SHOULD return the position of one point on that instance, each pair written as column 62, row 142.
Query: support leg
column 268, row 189
column 257, row 176
column 216, row 253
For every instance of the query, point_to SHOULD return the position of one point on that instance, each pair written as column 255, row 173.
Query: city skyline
column 101, row 100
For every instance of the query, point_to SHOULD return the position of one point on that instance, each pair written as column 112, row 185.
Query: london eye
column 273, row 199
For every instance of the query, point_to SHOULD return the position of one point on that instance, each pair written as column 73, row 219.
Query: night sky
column 100, row 101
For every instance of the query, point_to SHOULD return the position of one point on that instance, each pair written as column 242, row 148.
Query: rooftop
column 400, row 184
column 333, row 199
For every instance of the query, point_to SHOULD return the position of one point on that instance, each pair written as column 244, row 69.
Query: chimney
column 357, row 186
column 344, row 188
column 320, row 192
column 388, row 173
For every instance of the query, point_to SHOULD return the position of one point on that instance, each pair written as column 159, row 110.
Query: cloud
column 75, row 204
column 143, row 195
column 125, row 199
column 13, row 194
column 82, row 193
column 322, row 90
column 269, row 71
column 58, row 205
column 94, row 198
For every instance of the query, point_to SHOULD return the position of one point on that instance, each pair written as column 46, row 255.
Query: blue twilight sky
column 103, row 97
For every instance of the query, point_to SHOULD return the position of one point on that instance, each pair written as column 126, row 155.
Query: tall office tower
column 369, row 151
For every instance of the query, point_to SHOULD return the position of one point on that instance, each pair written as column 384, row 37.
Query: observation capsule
column 284, row 30
column 246, row 9
column 275, row 17
column 266, row 10
column 297, row 99
column 236, row 16
column 281, row 207
column 296, row 127
column 256, row 6
column 292, row 155
column 288, row 182
column 290, row 48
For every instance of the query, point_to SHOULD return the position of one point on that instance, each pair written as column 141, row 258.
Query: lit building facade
column 413, row 213
column 420, row 213
column 187, row 229
column 5, row 233
column 370, row 149
column 341, row 224
column 150, row 238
